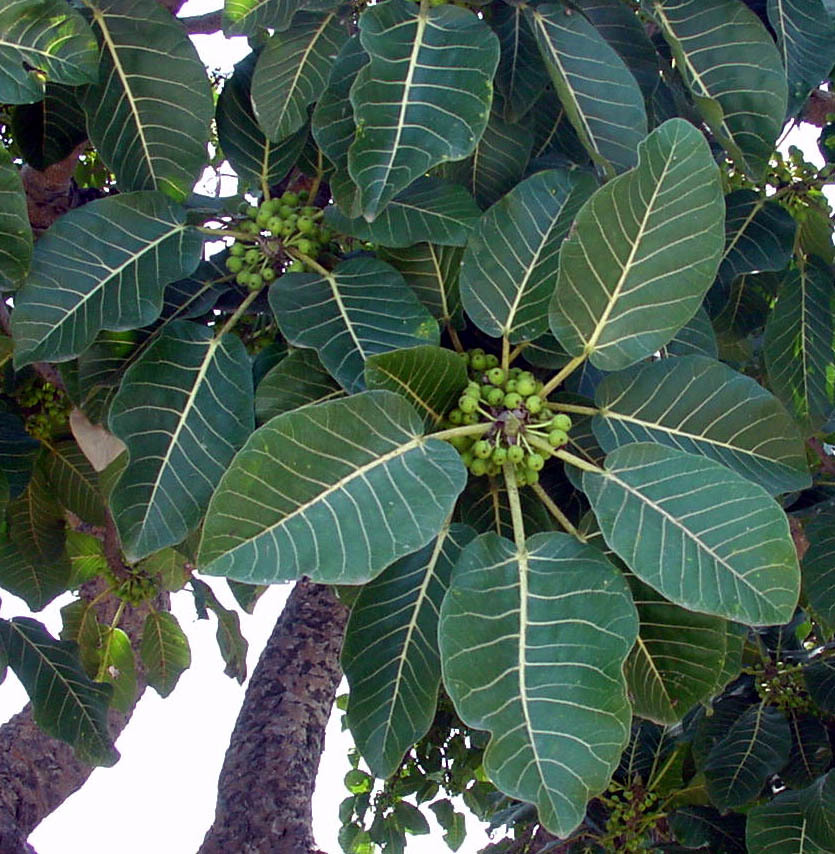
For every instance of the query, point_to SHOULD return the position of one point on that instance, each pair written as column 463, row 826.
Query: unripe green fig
column 561, row 421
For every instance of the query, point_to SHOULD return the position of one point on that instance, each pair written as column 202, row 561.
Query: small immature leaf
column 83, row 279
column 247, row 17
column 428, row 210
column 532, row 641
column 510, row 263
column 390, row 654
column 733, row 69
column 700, row 534
column 756, row 746
column 149, row 114
column 798, row 345
column 65, row 702
column 335, row 491
column 256, row 159
column 164, row 650
column 423, row 63
column 430, row 378
column 42, row 40
column 582, row 64
column 292, row 71
column 87, row 559
column 15, row 232
column 196, row 390
column 361, row 308
column 80, row 625
column 297, row 380
column 806, row 39
column 704, row 407
column 232, row 644
column 119, row 668
column 644, row 252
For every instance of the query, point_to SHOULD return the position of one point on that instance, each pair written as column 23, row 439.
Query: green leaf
column 695, row 338
column 83, row 279
column 292, row 71
column 700, row 826
column 428, row 210
column 15, row 233
column 164, row 651
column 258, row 161
column 73, row 481
column 798, row 345
column 819, row 810
column 532, row 641
column 196, row 390
column 554, row 137
column 806, row 39
column 295, row 381
column 430, row 378
column 811, row 753
column 779, row 826
column 87, row 559
column 625, row 32
column 704, row 407
column 756, row 746
column 424, row 97
column 432, row 273
column 582, row 64
column 336, row 491
column 452, row 823
column 361, row 308
column 644, row 252
column 485, row 506
column 498, row 161
column 48, row 131
column 65, row 703
column 733, row 69
column 246, row 595
column 168, row 565
column 149, row 114
column 674, row 662
column 510, row 263
column 42, row 40
column 520, row 76
column 232, row 644
column 697, row 532
column 247, row 17
column 410, row 818
column 33, row 561
column 80, row 625
column 18, row 451
column 119, row 668
column 390, row 652
column 818, row 567
column 820, row 683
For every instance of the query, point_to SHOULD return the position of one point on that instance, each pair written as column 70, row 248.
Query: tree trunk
column 38, row 772
column 269, row 773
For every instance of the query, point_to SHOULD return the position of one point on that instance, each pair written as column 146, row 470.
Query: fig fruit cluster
column 268, row 231
column 522, row 429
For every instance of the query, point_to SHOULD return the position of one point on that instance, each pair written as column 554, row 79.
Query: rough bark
column 269, row 773
column 38, row 772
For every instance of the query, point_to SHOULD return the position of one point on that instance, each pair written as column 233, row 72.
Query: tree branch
column 197, row 25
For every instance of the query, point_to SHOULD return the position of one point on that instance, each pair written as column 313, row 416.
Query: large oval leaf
column 806, row 39
column 428, row 210
column 361, row 308
column 15, row 233
column 196, row 390
column 645, row 250
column 336, row 491
column 390, row 654
column 43, row 40
column 292, row 71
column 297, row 380
column 798, row 346
column 65, row 702
column 582, row 64
column 704, row 407
column 149, row 114
column 532, row 647
column 780, row 826
column 700, row 534
column 731, row 65
column 48, row 131
column 423, row 98
column 83, row 279
column 510, row 263
column 164, row 650
column 73, row 481
column 819, row 566
column 257, row 160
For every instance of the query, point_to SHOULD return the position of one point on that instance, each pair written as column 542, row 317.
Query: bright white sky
column 161, row 795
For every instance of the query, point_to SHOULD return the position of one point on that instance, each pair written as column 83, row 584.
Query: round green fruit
column 478, row 467
column 557, row 438
column 526, row 386
column 467, row 404
column 237, row 250
column 561, row 421
column 482, row 449
column 252, row 256
column 533, row 404
column 535, row 462
column 515, row 454
column 497, row 376
column 296, row 267
column 234, row 264
column 512, row 400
